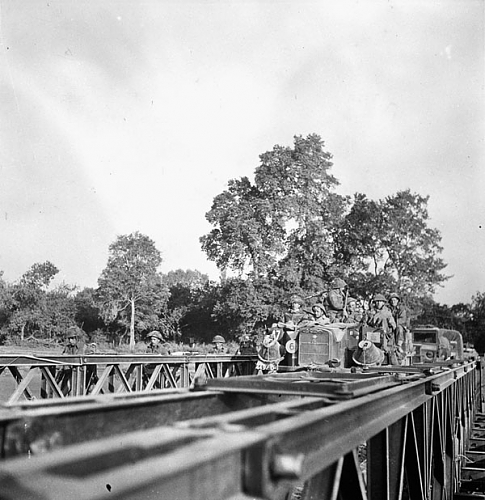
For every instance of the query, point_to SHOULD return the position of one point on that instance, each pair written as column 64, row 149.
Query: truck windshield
column 425, row 336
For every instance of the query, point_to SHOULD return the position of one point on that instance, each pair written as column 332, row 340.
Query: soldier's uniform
column 246, row 346
column 72, row 347
column 290, row 325
column 154, row 347
column 380, row 317
column 400, row 315
column 316, row 317
column 91, row 370
column 335, row 300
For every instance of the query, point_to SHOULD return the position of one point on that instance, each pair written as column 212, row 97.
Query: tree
column 131, row 283
column 287, row 215
column 5, row 307
column 477, row 323
column 28, row 299
column 391, row 244
column 60, row 310
column 278, row 232
column 39, row 275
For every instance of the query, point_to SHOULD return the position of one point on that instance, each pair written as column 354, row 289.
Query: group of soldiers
column 336, row 309
column 387, row 315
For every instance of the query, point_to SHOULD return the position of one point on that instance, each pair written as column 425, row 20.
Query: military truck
column 433, row 344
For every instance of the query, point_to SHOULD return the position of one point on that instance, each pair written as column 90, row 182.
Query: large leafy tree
column 130, row 289
column 283, row 224
column 391, row 247
column 247, row 237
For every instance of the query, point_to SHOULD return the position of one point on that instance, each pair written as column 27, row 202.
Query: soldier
column 219, row 345
column 73, row 341
column 400, row 315
column 354, row 312
column 380, row 317
column 91, row 370
column 155, row 346
column 246, row 346
column 354, row 317
column 72, row 347
column 290, row 324
column 317, row 317
column 335, row 301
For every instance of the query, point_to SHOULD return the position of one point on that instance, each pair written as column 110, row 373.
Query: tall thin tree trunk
column 132, row 327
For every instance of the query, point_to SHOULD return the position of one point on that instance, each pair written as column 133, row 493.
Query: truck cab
column 432, row 344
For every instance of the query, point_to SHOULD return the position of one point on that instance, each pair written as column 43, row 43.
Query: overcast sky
column 124, row 116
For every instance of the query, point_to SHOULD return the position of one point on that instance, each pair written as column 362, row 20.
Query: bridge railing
column 29, row 377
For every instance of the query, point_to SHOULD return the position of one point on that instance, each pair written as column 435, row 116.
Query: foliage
column 130, row 292
column 469, row 319
column 59, row 313
column 87, row 313
column 191, row 305
column 30, row 311
column 28, row 300
column 477, row 321
column 389, row 244
column 245, row 306
column 279, row 218
column 292, row 232
column 185, row 305
column 39, row 276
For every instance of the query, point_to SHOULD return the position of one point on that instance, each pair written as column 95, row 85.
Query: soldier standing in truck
column 400, row 315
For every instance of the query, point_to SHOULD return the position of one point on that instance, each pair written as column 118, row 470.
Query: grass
column 105, row 348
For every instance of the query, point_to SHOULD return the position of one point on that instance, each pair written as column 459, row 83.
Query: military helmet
column 379, row 297
column 72, row 333
column 218, row 339
column 296, row 299
column 394, row 295
column 156, row 335
column 318, row 305
column 338, row 283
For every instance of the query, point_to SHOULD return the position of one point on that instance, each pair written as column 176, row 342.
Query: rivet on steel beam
column 285, row 466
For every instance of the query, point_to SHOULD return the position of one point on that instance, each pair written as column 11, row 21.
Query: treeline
column 191, row 306
column 286, row 232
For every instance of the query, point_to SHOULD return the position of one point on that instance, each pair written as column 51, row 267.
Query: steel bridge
column 39, row 377
column 382, row 433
